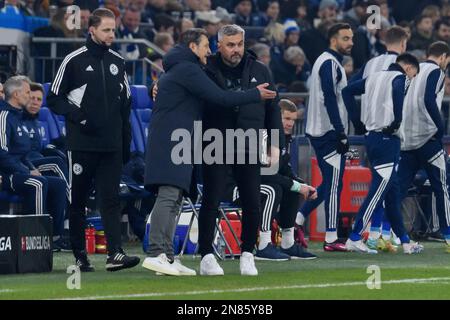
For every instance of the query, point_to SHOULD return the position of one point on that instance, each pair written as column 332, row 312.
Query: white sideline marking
column 6, row 291
column 442, row 280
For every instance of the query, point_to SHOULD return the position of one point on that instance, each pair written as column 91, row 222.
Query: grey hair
column 230, row 30
column 260, row 49
column 14, row 84
column 293, row 52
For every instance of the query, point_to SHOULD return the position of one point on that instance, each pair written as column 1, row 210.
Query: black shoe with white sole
column 82, row 261
column 120, row 260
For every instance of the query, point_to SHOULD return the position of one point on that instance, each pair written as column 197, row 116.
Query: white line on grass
column 442, row 280
column 6, row 291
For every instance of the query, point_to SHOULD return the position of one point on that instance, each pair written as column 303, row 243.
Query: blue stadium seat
column 46, row 89
column 136, row 133
column 144, row 116
column 44, row 132
column 61, row 124
column 45, row 116
column 140, row 98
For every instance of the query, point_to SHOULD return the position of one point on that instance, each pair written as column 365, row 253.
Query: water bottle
column 90, row 239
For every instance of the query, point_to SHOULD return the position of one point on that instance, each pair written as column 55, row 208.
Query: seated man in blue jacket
column 42, row 195
column 48, row 161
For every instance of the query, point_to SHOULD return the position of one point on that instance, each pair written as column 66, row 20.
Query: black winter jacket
column 91, row 90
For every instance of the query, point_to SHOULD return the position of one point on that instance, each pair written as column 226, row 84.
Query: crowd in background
column 286, row 35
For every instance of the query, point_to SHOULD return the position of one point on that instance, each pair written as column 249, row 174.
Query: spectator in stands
column 288, row 8
column 366, row 44
column 432, row 11
column 181, row 26
column 262, row 52
column 422, row 35
column 130, row 30
column 356, row 15
column 153, row 8
column 294, row 67
column 385, row 11
column 292, row 33
column 442, row 30
column 244, row 16
column 210, row 22
column 348, row 65
column 162, row 23
column 328, row 11
column 56, row 29
column 302, row 18
column 2, row 92
column 165, row 41
column 84, row 21
column 407, row 27
column 224, row 16
column 314, row 41
column 271, row 12
column 42, row 194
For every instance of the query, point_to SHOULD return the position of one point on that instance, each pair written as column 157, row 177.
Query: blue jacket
column 15, row 141
column 31, row 123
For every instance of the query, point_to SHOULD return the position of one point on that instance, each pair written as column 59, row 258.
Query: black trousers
column 248, row 180
column 103, row 170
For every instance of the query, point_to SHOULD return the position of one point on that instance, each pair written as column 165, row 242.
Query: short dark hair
column 163, row 20
column 287, row 105
column 34, row 86
column 408, row 58
column 440, row 22
column 193, row 35
column 438, row 48
column 395, row 35
column 95, row 18
column 334, row 30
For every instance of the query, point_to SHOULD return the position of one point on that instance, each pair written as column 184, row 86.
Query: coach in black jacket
column 91, row 90
column 234, row 70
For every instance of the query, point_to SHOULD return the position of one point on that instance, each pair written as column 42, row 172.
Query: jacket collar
column 396, row 67
column 336, row 54
column 95, row 49
column 6, row 106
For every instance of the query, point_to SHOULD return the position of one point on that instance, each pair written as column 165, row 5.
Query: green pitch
column 331, row 276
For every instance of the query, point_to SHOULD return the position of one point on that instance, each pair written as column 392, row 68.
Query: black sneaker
column 298, row 252
column 435, row 236
column 82, row 261
column 120, row 260
column 62, row 245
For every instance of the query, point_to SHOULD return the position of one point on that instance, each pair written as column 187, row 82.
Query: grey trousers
column 162, row 223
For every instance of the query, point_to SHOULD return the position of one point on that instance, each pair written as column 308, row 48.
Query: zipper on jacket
column 104, row 90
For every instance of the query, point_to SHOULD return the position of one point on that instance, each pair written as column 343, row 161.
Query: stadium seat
column 45, row 116
column 136, row 134
column 144, row 116
column 60, row 123
column 46, row 89
column 140, row 98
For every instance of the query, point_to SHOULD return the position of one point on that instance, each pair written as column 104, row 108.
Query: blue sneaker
column 298, row 252
column 271, row 253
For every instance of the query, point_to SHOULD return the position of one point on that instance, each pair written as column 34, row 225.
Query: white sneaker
column 359, row 246
column 184, row 271
column 247, row 264
column 161, row 264
column 210, row 267
column 412, row 248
